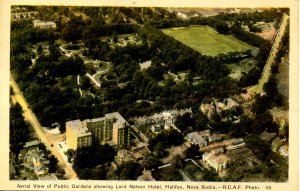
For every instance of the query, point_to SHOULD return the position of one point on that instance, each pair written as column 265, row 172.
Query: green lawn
column 206, row 40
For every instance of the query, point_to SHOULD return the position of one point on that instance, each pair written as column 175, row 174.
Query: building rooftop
column 78, row 128
column 94, row 120
column 220, row 159
column 31, row 143
column 195, row 137
column 120, row 121
column 168, row 114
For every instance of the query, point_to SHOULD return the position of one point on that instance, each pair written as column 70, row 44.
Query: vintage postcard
column 149, row 95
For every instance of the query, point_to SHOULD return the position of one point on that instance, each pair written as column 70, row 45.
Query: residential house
column 195, row 138
column 214, row 137
column 217, row 159
column 34, row 159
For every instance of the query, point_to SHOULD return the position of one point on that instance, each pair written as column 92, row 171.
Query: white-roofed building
column 43, row 24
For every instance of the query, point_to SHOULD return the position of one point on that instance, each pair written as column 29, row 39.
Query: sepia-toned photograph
column 149, row 94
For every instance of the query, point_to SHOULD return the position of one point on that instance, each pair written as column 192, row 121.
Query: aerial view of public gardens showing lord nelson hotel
column 149, row 93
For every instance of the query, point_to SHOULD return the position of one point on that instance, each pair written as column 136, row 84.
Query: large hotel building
column 112, row 129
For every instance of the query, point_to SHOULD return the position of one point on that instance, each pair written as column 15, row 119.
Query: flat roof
column 120, row 121
column 78, row 128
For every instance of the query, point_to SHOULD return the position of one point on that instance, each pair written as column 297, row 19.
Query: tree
column 177, row 161
column 169, row 174
column 129, row 171
column 264, row 122
column 259, row 147
column 114, row 37
column 201, row 121
column 70, row 154
column 152, row 162
column 165, row 139
column 192, row 151
column 53, row 164
column 85, row 82
column 84, row 174
column 210, row 175
column 90, row 157
column 159, row 150
column 221, row 27
column 60, row 173
column 18, row 129
column 184, row 121
column 262, row 103
column 40, row 49
column 100, row 172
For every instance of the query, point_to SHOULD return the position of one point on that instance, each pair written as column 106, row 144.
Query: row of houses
column 203, row 138
column 217, row 106
column 165, row 118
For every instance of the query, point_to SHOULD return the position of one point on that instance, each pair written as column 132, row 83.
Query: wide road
column 30, row 117
column 267, row 69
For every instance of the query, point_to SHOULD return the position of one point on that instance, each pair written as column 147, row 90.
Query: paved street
column 267, row 69
column 30, row 117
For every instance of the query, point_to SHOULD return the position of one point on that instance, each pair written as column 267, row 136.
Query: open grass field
column 206, row 40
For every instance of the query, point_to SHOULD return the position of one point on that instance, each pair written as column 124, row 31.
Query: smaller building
column 123, row 156
column 214, row 138
column 31, row 143
column 34, row 159
column 45, row 25
column 195, row 138
column 217, row 159
column 216, row 106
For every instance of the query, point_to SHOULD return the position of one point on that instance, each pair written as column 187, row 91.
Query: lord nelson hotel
column 112, row 129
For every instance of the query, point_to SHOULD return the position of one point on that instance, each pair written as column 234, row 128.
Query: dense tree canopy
column 18, row 129
column 91, row 156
